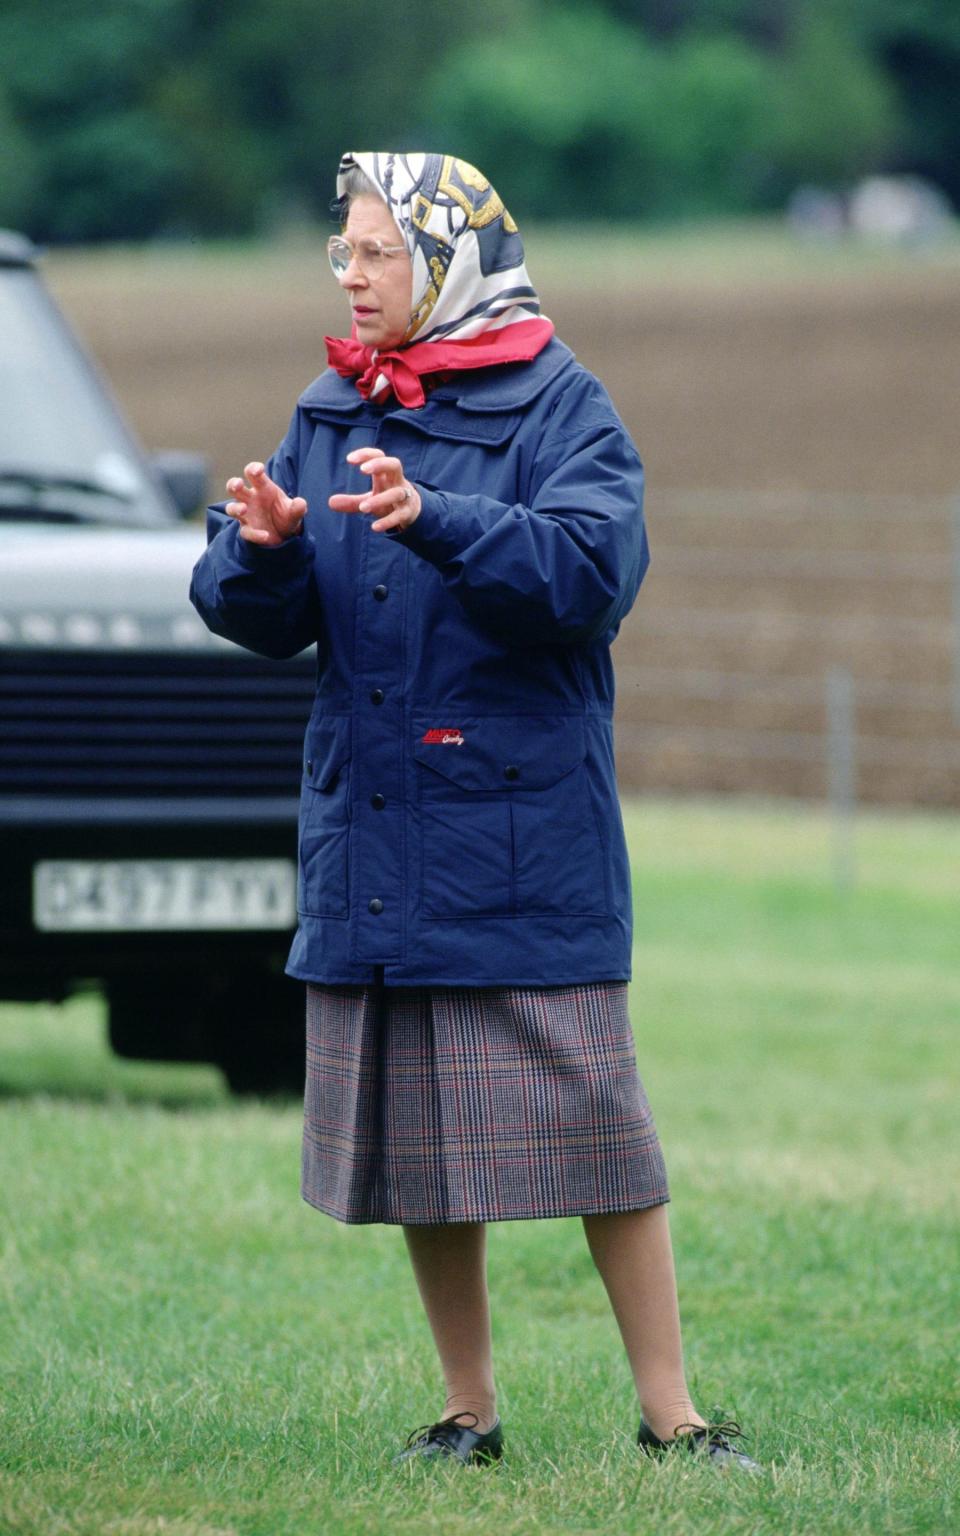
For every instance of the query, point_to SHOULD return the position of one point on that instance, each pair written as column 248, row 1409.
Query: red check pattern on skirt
column 453, row 1104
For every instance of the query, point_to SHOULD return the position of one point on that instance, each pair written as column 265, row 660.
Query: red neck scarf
column 399, row 371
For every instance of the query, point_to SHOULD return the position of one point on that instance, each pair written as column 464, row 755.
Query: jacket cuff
column 435, row 535
column 282, row 560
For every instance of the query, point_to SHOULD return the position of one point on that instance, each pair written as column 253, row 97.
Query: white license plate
column 147, row 895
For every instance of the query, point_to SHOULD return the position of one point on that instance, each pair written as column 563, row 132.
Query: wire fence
column 799, row 645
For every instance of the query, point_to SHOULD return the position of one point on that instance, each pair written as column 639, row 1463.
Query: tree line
column 136, row 119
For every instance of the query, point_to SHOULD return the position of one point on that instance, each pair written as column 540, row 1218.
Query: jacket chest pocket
column 508, row 823
column 323, row 873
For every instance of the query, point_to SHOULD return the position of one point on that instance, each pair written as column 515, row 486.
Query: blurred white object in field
column 899, row 210
column 814, row 213
column 892, row 210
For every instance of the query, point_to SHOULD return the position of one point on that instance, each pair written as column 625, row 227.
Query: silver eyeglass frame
column 378, row 253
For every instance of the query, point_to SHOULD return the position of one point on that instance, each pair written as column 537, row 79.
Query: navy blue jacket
column 459, row 822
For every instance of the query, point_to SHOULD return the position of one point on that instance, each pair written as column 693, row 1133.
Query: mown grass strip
column 188, row 1351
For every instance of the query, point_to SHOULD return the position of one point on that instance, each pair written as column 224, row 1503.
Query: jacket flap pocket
column 326, row 749
column 447, row 420
column 500, row 752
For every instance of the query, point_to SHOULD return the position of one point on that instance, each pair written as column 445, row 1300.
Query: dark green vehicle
column 149, row 772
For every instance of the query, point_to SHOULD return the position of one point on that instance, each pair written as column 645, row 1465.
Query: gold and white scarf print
column 468, row 266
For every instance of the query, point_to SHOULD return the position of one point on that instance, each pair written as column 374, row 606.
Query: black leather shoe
column 708, row 1440
column 449, row 1438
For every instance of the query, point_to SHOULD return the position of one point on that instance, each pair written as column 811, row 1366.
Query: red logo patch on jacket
column 444, row 736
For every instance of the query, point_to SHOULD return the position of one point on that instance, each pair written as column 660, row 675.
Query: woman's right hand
column 266, row 514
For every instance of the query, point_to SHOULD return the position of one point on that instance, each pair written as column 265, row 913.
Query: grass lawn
column 186, row 1350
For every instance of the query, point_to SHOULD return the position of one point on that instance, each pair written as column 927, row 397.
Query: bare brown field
column 843, row 382
column 801, row 438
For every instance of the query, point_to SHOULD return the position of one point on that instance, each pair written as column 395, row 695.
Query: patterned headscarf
column 473, row 302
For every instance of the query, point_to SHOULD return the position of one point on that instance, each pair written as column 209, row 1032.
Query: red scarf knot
column 404, row 367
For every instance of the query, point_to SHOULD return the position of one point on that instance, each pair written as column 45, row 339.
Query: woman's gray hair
column 356, row 183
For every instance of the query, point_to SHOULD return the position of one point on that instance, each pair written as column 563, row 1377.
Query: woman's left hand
column 395, row 501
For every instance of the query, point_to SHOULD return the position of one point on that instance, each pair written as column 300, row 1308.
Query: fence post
column 842, row 774
column 956, row 609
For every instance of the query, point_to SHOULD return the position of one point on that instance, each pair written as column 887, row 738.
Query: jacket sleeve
column 566, row 568
column 263, row 599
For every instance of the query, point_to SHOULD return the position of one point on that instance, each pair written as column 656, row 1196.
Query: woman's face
column 381, row 307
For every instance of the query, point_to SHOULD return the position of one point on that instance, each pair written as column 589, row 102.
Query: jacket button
column 380, row 593
column 375, row 906
column 309, row 767
column 511, row 771
column 378, row 802
column 377, row 696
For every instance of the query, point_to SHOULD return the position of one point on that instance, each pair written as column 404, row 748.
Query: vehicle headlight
column 38, row 629
column 82, row 629
column 125, row 630
column 188, row 629
column 94, row 631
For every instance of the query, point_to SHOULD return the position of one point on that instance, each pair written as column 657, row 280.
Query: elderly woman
column 454, row 519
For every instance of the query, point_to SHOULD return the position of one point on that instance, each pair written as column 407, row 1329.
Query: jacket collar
column 506, row 388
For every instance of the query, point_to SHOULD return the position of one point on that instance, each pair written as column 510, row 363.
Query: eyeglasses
column 368, row 254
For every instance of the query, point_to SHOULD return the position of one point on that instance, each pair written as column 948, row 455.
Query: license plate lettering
column 73, row 895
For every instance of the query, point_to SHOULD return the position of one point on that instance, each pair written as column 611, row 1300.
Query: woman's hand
column 395, row 501
column 266, row 514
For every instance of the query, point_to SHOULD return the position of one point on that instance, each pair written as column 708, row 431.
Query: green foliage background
column 129, row 119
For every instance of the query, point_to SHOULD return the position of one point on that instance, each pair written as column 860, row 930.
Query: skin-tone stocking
column 450, row 1265
column 633, row 1252
column 634, row 1255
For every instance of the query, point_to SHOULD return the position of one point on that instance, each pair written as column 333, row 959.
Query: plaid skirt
column 427, row 1104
